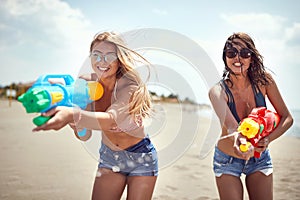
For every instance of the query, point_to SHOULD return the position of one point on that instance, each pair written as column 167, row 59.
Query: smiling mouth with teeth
column 237, row 64
column 102, row 68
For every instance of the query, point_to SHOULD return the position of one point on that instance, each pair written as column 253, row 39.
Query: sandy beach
column 55, row 165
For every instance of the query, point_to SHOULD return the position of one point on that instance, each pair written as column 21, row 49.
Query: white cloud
column 20, row 8
column 160, row 12
column 47, row 36
column 293, row 34
column 258, row 23
column 35, row 21
column 272, row 34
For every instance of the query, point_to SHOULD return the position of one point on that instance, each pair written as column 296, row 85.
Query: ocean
column 295, row 129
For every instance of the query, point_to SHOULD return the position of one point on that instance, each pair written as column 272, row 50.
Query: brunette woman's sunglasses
column 243, row 53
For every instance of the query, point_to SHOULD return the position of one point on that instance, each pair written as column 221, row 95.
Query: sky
column 53, row 36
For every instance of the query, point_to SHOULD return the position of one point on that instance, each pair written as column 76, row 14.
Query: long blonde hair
column 140, row 104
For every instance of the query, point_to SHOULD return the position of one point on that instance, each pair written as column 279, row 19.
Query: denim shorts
column 137, row 160
column 225, row 164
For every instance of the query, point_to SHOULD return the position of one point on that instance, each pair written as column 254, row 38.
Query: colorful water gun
column 43, row 95
column 259, row 124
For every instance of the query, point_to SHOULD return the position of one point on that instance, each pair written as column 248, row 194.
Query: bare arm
column 218, row 99
column 65, row 115
column 117, row 115
column 77, row 118
column 279, row 105
column 229, row 124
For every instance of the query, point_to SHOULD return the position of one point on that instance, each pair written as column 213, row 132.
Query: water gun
column 43, row 95
column 259, row 124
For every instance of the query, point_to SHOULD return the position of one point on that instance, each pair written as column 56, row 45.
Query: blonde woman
column 127, row 156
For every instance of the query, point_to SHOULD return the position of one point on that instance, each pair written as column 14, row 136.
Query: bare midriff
column 226, row 145
column 121, row 140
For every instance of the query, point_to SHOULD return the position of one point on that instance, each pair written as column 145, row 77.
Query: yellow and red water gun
column 259, row 124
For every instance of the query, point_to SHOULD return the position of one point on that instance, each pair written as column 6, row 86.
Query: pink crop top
column 123, row 90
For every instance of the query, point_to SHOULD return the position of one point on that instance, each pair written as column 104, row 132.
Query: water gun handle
column 40, row 120
column 245, row 148
column 257, row 154
column 44, row 80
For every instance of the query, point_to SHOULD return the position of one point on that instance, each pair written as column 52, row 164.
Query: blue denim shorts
column 225, row 164
column 137, row 160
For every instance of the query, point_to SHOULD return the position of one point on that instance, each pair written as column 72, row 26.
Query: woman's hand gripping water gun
column 259, row 124
column 44, row 96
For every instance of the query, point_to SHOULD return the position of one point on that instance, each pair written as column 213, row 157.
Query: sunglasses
column 243, row 53
column 108, row 58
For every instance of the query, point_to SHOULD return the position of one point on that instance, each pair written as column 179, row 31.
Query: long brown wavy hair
column 256, row 72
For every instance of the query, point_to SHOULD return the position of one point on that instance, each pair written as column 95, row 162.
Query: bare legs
column 140, row 187
column 229, row 187
column 110, row 186
column 259, row 186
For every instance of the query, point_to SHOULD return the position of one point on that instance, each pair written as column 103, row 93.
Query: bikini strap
column 227, row 91
column 255, row 89
column 230, row 102
column 259, row 98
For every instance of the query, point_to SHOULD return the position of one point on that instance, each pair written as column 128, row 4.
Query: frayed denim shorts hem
column 138, row 160
column 225, row 164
